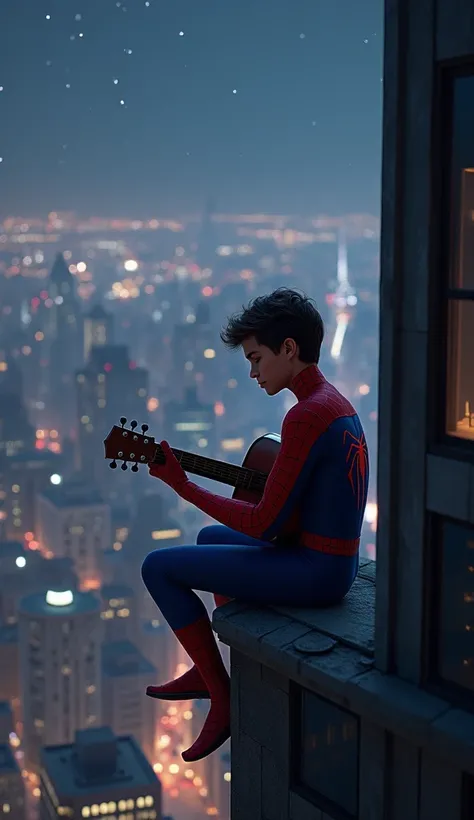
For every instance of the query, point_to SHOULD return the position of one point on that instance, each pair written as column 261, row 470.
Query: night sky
column 301, row 135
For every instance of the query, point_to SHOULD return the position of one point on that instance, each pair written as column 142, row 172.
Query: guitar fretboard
column 230, row 474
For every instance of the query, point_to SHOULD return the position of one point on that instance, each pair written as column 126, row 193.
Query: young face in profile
column 273, row 371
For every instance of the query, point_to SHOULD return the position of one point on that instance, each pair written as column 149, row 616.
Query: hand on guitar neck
column 171, row 471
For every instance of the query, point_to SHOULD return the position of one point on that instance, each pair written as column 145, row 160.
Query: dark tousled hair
column 283, row 314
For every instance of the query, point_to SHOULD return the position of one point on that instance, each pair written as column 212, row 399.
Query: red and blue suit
column 320, row 474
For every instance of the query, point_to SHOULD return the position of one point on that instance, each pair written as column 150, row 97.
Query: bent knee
column 212, row 534
column 151, row 565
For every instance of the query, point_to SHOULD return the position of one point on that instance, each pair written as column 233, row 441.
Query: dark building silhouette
column 98, row 329
column 64, row 334
column 108, row 387
column 16, row 432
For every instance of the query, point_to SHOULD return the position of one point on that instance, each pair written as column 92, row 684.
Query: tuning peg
column 113, row 465
column 144, row 428
column 133, row 424
column 123, row 421
column 124, row 465
column 135, row 468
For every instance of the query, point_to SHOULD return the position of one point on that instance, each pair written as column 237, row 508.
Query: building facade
column 60, row 635
column 126, row 674
column 22, row 477
column 366, row 711
column 74, row 522
column 98, row 774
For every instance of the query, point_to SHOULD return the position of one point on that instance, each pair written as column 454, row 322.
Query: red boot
column 189, row 686
column 199, row 642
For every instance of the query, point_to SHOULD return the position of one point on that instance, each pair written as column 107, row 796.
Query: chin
column 273, row 390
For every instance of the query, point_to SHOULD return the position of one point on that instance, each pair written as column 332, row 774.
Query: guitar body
column 261, row 456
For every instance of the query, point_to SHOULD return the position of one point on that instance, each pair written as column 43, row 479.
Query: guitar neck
column 231, row 474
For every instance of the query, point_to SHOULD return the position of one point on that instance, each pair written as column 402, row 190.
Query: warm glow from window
column 232, row 445
column 162, row 535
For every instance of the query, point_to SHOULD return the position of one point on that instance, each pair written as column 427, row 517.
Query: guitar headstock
column 126, row 445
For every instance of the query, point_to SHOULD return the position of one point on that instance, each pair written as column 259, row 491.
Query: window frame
column 443, row 254
column 459, row 696
column 312, row 796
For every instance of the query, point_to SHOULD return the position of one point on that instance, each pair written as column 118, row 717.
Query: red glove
column 171, row 471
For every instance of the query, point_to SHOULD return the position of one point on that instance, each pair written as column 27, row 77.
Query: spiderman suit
column 321, row 471
column 321, row 474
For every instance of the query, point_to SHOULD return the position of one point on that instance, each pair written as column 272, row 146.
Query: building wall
column 421, row 473
column 388, row 777
column 79, row 532
column 60, row 676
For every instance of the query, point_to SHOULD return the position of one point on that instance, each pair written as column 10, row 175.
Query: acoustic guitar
column 127, row 445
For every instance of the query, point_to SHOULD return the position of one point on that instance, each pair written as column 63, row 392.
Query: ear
column 290, row 348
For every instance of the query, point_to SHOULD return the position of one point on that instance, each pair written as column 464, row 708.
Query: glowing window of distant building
column 162, row 535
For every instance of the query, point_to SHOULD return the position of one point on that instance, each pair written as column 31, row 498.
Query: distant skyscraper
column 151, row 528
column 190, row 424
column 9, row 679
column 98, row 329
column 74, row 521
column 22, row 477
column 100, row 774
column 16, row 433
column 60, row 634
column 64, row 334
column 125, row 707
column 119, row 612
column 108, row 387
column 343, row 300
column 12, row 790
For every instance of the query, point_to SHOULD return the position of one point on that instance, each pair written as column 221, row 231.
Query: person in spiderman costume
column 321, row 471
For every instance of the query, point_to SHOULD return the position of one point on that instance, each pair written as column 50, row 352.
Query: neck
column 304, row 383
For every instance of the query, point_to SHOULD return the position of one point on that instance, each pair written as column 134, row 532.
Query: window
column 326, row 755
column 460, row 319
column 468, row 797
column 456, row 605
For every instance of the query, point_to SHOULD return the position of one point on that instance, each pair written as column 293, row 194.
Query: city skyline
column 300, row 134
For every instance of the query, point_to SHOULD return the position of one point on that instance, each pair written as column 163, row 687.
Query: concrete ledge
column 335, row 659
